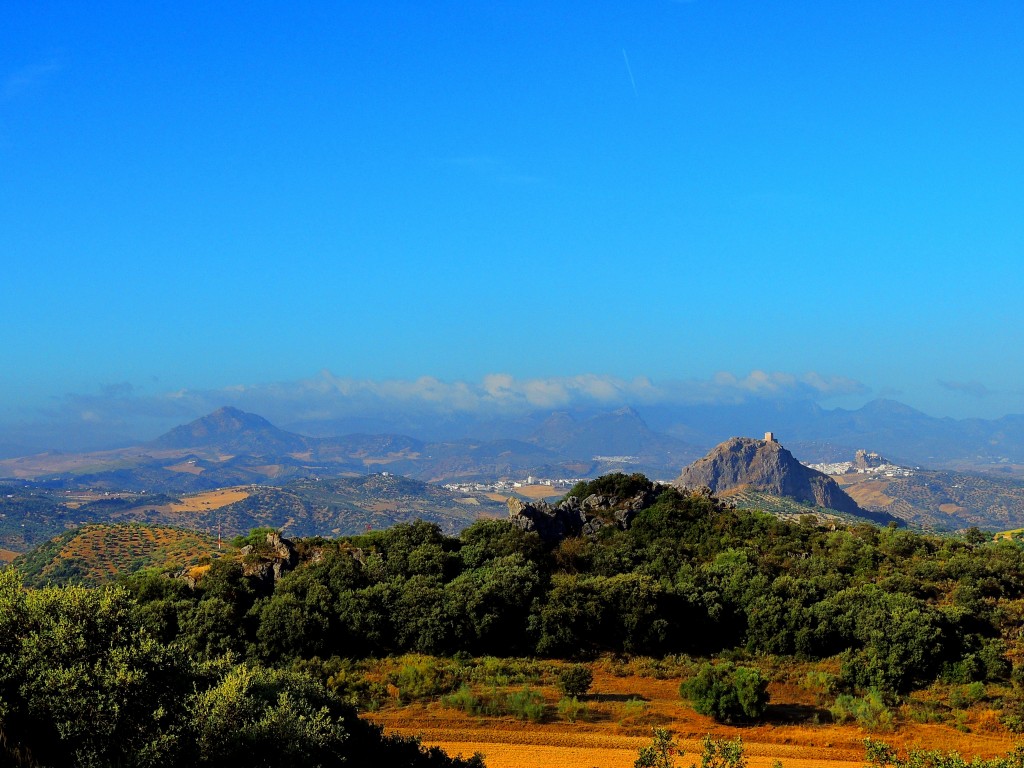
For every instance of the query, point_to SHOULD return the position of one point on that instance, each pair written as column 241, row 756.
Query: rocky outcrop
column 766, row 467
column 572, row 517
column 866, row 460
column 269, row 561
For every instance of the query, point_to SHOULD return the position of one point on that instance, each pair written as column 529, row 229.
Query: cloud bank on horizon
column 122, row 411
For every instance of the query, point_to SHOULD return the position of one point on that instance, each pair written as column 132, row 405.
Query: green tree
column 726, row 692
column 82, row 683
column 575, row 680
column 262, row 717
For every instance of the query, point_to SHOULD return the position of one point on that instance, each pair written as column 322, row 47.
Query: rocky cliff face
column 766, row 467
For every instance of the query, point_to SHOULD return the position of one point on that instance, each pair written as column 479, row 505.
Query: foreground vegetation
column 83, row 683
column 254, row 658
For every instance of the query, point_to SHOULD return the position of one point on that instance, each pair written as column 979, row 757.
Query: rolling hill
column 99, row 553
column 941, row 500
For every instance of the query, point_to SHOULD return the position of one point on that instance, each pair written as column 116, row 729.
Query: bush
column 964, row 696
column 719, row 753
column 660, row 752
column 526, row 704
column 616, row 485
column 462, row 699
column 571, row 709
column 869, row 711
column 727, row 692
column 881, row 755
column 714, row 753
column 489, row 670
column 424, row 678
column 822, row 683
column 634, row 712
column 575, row 680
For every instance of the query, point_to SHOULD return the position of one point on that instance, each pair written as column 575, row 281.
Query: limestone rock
column 269, row 561
column 572, row 517
column 767, row 467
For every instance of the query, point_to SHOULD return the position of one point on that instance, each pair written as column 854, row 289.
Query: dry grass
column 186, row 467
column 204, row 502
column 6, row 555
column 540, row 492
column 867, row 493
column 498, row 755
column 612, row 732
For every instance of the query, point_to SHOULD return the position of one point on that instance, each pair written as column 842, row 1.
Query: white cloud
column 503, row 393
column 120, row 410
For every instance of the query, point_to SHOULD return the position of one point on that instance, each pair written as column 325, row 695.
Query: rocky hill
column 765, row 466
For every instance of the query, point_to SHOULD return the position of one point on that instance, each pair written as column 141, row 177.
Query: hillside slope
column 311, row 506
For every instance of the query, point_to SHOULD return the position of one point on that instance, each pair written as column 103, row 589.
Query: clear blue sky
column 198, row 195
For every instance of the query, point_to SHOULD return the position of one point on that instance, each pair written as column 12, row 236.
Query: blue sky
column 194, row 198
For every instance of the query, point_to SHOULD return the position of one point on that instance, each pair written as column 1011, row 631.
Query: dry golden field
column 76, row 499
column 187, row 467
column 613, row 730
column 6, row 555
column 869, row 493
column 204, row 502
column 540, row 492
column 390, row 458
column 534, row 492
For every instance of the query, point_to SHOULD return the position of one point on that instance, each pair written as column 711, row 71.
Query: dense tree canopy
column 83, row 683
column 687, row 576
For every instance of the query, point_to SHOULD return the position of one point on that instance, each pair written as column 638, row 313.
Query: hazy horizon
column 498, row 406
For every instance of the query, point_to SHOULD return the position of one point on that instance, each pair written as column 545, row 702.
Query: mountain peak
column 766, row 466
column 234, row 431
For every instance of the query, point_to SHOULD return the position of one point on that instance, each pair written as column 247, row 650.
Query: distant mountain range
column 656, row 439
column 812, row 432
column 229, row 447
column 815, row 434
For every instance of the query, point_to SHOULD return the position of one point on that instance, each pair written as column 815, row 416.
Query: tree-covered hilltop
column 688, row 575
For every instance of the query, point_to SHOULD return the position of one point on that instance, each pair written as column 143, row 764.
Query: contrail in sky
column 629, row 69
